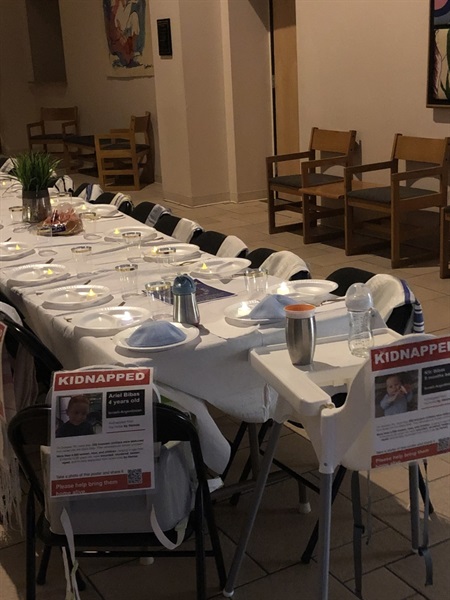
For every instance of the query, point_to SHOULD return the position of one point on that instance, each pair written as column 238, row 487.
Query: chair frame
column 68, row 118
column 31, row 426
column 410, row 149
column 342, row 145
column 128, row 160
column 444, row 251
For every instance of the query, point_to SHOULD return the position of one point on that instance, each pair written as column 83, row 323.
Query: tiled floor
column 272, row 569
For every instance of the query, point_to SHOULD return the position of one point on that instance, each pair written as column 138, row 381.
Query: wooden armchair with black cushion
column 286, row 184
column 384, row 214
column 124, row 156
column 54, row 124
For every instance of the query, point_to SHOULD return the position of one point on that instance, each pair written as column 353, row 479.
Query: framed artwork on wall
column 127, row 26
column 438, row 86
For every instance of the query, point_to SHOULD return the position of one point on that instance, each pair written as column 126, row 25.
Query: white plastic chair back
column 350, row 426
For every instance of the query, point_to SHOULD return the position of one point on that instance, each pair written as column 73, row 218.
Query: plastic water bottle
column 359, row 303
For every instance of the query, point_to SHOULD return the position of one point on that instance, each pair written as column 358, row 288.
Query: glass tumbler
column 159, row 294
column 128, row 275
column 89, row 219
column 82, row 258
column 133, row 241
column 16, row 213
column 256, row 281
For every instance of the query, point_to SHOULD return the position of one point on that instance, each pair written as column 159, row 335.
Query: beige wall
column 363, row 66
column 103, row 103
column 213, row 99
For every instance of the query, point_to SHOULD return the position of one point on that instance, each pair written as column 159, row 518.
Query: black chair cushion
column 125, row 145
column 166, row 224
column 47, row 136
column 210, row 241
column 258, row 256
column 382, row 195
column 83, row 140
column 295, row 181
column 142, row 210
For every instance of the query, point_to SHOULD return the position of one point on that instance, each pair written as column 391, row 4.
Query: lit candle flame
column 91, row 294
column 116, row 231
column 18, row 247
column 49, row 272
column 204, row 267
column 127, row 316
column 283, row 288
column 243, row 310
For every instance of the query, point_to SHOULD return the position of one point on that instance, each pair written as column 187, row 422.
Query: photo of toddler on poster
column 79, row 415
column 396, row 393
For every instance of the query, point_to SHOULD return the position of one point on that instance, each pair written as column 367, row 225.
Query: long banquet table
column 212, row 369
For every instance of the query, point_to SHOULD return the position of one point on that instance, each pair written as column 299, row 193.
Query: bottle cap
column 183, row 285
column 358, row 297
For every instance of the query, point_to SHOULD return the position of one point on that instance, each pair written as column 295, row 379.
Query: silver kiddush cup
column 301, row 333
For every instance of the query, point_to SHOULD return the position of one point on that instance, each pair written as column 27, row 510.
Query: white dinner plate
column 237, row 314
column 109, row 320
column 115, row 235
column 121, row 339
column 101, row 210
column 36, row 274
column 218, row 268
column 75, row 297
column 311, row 290
column 172, row 253
column 14, row 250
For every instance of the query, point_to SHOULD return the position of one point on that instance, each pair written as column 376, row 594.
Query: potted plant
column 35, row 171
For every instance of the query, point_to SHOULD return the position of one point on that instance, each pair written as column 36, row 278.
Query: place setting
column 218, row 268
column 14, row 250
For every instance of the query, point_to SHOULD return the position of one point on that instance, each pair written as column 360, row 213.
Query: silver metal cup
column 300, row 333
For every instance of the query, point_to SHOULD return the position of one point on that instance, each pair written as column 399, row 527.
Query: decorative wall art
column 127, row 24
column 438, row 88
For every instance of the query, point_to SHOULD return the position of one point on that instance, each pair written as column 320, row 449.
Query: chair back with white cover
column 390, row 293
column 286, row 265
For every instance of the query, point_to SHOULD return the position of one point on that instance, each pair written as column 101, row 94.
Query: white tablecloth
column 214, row 368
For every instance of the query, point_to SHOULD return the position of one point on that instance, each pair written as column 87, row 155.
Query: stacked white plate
column 14, row 250
column 109, row 321
column 76, row 297
column 218, row 268
column 37, row 274
column 313, row 291
column 172, row 253
column 116, row 234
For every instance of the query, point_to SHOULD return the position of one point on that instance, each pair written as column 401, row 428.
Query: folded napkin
column 271, row 307
column 156, row 333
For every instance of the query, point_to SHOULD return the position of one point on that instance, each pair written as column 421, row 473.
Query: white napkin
column 271, row 307
column 231, row 247
column 184, row 230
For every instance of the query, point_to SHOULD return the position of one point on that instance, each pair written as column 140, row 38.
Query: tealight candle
column 126, row 316
column 283, row 288
column 91, row 294
column 48, row 272
column 18, row 247
column 117, row 231
column 204, row 267
column 243, row 310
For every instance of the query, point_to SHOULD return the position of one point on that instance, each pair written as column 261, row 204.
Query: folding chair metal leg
column 414, row 504
column 234, row 447
column 30, row 548
column 215, row 542
column 358, row 530
column 254, row 506
column 308, row 552
column 42, row 573
column 423, row 493
column 200, row 547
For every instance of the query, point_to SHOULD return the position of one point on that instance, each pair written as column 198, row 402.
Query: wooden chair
column 287, row 191
column 50, row 130
column 445, row 242
column 400, row 197
column 122, row 155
